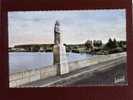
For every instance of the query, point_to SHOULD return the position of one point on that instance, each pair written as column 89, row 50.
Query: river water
column 20, row 61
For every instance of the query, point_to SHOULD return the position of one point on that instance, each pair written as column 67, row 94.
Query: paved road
column 106, row 77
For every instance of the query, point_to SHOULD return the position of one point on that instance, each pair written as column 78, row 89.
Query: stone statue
column 57, row 32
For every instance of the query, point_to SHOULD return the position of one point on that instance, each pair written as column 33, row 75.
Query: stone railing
column 20, row 78
column 24, row 77
column 94, row 60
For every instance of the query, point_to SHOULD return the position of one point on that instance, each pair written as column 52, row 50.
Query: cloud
column 77, row 26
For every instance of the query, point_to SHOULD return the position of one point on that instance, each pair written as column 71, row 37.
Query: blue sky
column 32, row 27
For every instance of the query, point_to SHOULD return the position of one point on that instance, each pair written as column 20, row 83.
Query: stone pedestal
column 60, row 59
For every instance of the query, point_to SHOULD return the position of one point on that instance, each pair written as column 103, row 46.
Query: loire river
column 20, row 61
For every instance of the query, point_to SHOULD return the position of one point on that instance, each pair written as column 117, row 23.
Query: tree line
column 95, row 46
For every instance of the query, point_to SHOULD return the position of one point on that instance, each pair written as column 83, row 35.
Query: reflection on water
column 19, row 61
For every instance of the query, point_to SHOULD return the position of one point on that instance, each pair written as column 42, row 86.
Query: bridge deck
column 75, row 76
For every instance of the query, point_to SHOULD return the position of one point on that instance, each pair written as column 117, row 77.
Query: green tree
column 97, row 43
column 115, row 43
column 88, row 44
column 109, row 44
column 35, row 48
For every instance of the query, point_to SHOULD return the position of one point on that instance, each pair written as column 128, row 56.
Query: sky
column 77, row 26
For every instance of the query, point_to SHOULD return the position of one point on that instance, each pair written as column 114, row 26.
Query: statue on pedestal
column 59, row 51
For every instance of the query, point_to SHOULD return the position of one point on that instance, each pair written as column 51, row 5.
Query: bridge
column 85, row 71
column 62, row 71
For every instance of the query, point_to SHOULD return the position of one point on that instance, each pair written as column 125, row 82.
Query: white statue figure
column 59, row 51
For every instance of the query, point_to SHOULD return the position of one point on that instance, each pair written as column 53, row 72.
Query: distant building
column 41, row 49
column 13, row 49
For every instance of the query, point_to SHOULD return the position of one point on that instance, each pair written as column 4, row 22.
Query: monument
column 59, row 51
